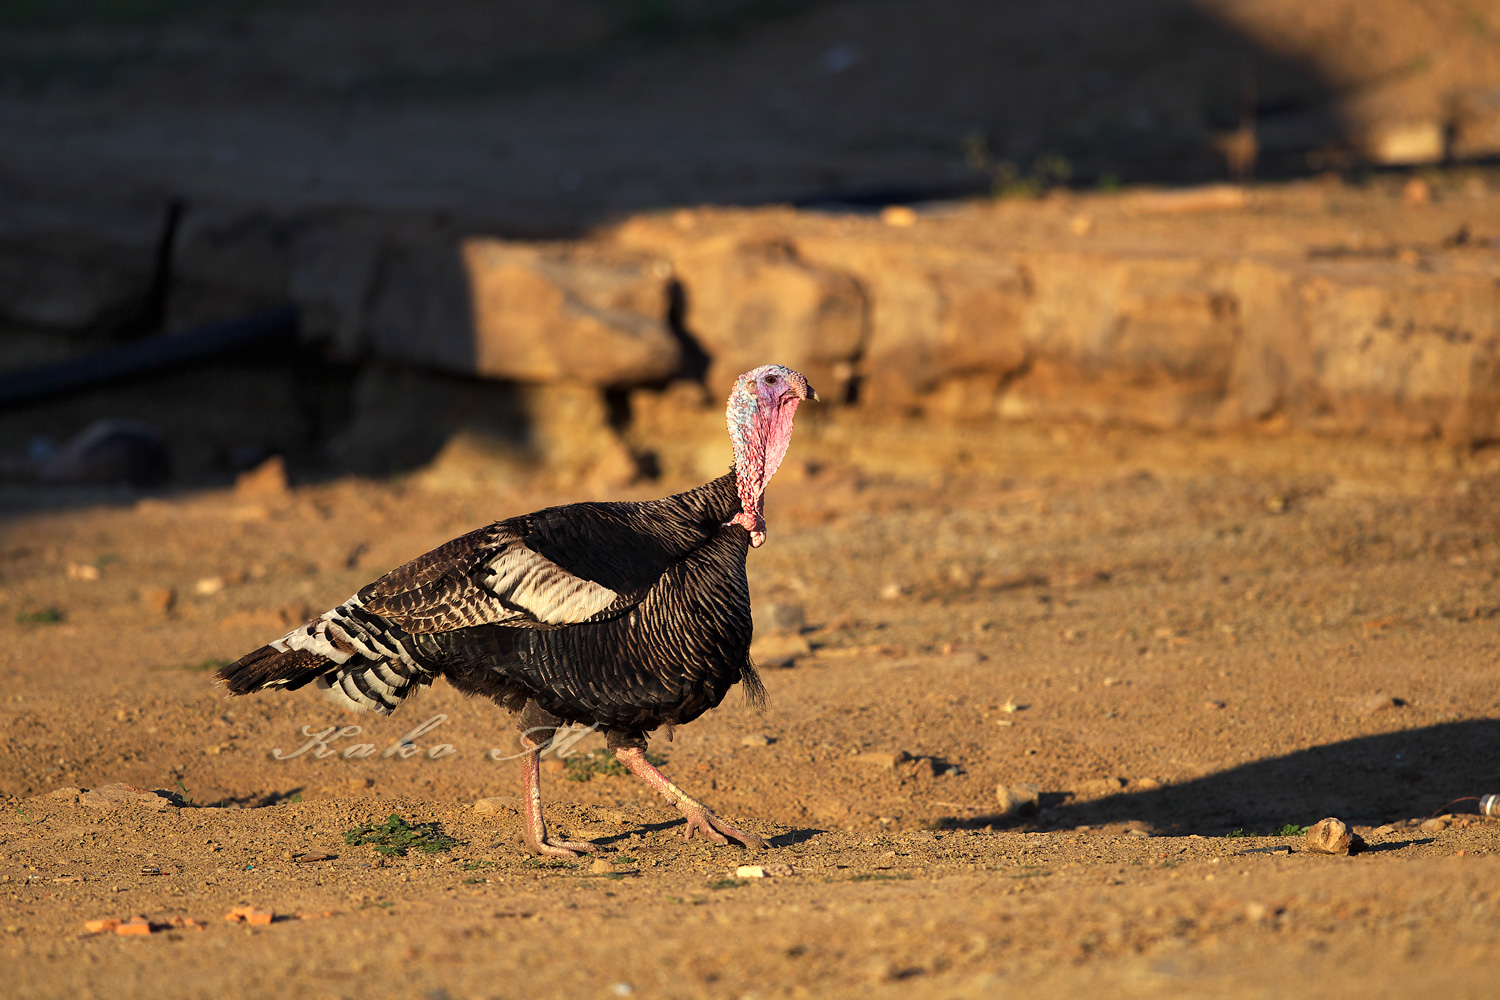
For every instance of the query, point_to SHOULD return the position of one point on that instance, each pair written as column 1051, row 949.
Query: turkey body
column 663, row 660
column 626, row 616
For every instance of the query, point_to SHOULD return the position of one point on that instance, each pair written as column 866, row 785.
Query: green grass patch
column 1235, row 834
column 725, row 883
column 396, row 836
column 41, row 616
column 879, row 877
column 547, row 863
column 474, row 866
column 584, row 766
column 1291, row 830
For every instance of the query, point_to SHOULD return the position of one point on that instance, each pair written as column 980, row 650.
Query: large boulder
column 575, row 313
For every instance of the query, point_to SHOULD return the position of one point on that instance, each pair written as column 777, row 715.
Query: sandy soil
column 1198, row 637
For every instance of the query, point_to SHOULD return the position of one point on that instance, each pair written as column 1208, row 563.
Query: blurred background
column 364, row 235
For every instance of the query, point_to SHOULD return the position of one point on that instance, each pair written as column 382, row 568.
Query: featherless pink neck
column 760, row 425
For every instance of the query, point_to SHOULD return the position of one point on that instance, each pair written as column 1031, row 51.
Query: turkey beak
column 812, row 394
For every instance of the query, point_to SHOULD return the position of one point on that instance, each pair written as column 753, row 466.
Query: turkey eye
column 770, row 380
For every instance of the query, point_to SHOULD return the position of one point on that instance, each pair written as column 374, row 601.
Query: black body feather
column 628, row 616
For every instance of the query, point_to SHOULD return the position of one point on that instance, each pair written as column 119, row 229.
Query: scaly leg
column 699, row 818
column 533, row 827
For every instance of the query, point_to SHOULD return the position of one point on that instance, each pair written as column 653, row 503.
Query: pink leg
column 533, row 827
column 699, row 818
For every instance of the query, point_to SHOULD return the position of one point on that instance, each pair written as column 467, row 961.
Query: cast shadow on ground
column 1371, row 779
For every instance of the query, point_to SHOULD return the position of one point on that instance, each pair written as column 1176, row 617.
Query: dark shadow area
column 1373, row 779
column 336, row 154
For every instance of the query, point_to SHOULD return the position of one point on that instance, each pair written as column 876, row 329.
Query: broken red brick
column 134, row 926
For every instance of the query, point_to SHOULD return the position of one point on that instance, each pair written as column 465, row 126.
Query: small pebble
column 755, row 740
column 158, row 599
column 883, row 758
column 601, row 866
column 1018, row 800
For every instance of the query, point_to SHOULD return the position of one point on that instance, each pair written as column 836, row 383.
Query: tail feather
column 359, row 660
column 272, row 667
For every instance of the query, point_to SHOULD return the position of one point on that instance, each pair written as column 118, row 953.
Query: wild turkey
column 626, row 616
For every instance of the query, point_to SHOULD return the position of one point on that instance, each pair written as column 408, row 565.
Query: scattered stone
column 1183, row 201
column 136, row 925
column 69, row 793
column 496, row 804
column 117, row 795
column 1011, row 708
column 1145, row 785
column 308, row 916
column 779, row 650
column 756, row 740
column 1333, row 836
column 83, row 571
column 251, row 915
column 892, row 592
column 924, row 767
column 887, row 759
column 602, row 866
column 777, row 617
column 1416, row 191
column 150, row 870
column 1398, row 143
column 100, row 926
column 1110, row 682
column 185, row 923
column 208, row 586
column 1018, row 800
column 1380, row 703
column 1383, row 831
column 266, row 481
column 1213, row 704
column 159, row 599
column 311, row 856
column 898, row 216
column 1101, row 786
column 1436, row 825
column 763, row 871
column 111, row 452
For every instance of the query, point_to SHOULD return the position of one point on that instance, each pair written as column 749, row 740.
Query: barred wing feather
column 488, row 577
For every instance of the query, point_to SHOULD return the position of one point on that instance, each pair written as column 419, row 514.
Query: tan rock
column 159, row 599
column 1018, row 800
column 266, row 481
column 779, row 650
column 544, row 313
column 1405, row 143
column 882, row 758
column 117, row 796
column 1332, row 836
column 496, row 804
column 749, row 301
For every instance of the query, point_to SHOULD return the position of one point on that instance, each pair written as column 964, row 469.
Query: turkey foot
column 550, row 847
column 699, row 818
column 533, row 826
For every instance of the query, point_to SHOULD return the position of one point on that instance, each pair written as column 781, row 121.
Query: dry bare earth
column 1112, row 587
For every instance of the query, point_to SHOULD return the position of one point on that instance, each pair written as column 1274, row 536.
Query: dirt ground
column 1186, row 643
